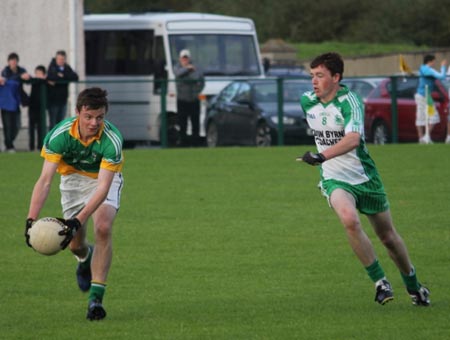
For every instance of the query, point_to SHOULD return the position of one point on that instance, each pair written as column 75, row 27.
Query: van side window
column 119, row 52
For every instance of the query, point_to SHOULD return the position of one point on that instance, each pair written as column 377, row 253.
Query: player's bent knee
column 103, row 230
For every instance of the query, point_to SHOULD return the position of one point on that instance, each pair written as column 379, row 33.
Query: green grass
column 307, row 51
column 231, row 243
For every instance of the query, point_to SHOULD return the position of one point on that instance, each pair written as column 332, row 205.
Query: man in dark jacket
column 12, row 73
column 59, row 75
column 190, row 83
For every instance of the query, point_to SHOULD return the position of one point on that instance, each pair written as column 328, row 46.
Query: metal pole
column 163, row 134
column 43, row 108
column 280, row 92
column 394, row 110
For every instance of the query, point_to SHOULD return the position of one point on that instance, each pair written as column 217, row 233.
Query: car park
column 378, row 111
column 246, row 113
column 362, row 85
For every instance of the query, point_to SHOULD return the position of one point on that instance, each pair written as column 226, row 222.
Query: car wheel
column 263, row 136
column 212, row 135
column 380, row 133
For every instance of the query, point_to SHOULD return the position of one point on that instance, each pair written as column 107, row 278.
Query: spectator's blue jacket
column 427, row 77
column 9, row 96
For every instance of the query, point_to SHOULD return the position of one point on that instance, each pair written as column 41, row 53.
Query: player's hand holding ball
column 312, row 158
column 71, row 226
column 28, row 225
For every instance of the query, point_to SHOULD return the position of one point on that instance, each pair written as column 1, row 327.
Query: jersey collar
column 75, row 133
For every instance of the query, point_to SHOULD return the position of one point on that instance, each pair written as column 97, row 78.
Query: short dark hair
column 332, row 61
column 428, row 58
column 12, row 56
column 92, row 98
column 40, row 68
column 61, row 52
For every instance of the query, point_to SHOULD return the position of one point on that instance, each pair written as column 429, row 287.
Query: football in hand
column 44, row 235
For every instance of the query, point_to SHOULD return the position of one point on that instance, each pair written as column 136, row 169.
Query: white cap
column 185, row 53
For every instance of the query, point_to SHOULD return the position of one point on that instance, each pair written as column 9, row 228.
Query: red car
column 378, row 116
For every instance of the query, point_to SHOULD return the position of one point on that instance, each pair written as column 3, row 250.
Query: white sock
column 380, row 282
column 79, row 259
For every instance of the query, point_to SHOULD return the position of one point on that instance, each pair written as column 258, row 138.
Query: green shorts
column 370, row 196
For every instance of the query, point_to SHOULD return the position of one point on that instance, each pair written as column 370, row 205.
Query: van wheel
column 173, row 135
column 212, row 135
column 129, row 144
column 380, row 133
column 173, row 130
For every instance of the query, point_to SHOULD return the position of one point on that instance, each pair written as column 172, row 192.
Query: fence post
column 163, row 133
column 280, row 92
column 394, row 110
column 43, row 109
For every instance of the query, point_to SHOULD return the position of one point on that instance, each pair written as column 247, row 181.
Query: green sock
column 410, row 280
column 375, row 271
column 97, row 291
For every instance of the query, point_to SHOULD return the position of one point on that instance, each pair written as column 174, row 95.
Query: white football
column 44, row 237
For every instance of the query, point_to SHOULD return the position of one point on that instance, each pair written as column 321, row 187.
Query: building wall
column 35, row 30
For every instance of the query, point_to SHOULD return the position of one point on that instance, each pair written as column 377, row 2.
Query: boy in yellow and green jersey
column 86, row 150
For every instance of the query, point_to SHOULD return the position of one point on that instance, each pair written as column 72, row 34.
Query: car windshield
column 266, row 92
column 446, row 83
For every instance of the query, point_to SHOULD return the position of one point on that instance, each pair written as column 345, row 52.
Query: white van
column 125, row 53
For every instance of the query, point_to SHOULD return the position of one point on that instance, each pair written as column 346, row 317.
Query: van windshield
column 219, row 54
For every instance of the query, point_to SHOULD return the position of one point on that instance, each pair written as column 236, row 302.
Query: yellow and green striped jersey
column 63, row 145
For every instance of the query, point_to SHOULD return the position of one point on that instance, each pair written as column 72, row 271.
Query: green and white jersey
column 330, row 122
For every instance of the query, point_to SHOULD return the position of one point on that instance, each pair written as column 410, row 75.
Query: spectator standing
column 11, row 116
column 59, row 75
column 427, row 78
column 447, row 140
column 190, row 83
column 35, row 118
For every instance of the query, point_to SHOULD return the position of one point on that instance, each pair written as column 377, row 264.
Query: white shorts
column 76, row 190
column 421, row 112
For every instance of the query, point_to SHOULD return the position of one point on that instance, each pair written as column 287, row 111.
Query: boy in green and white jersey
column 349, row 178
column 86, row 151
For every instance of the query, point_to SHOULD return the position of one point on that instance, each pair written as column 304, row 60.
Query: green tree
column 421, row 22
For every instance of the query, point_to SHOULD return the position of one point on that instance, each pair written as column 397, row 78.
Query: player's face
column 90, row 122
column 324, row 84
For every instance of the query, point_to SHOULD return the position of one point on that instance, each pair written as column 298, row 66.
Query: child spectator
column 36, row 118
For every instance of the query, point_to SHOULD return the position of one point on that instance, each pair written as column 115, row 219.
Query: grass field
column 232, row 243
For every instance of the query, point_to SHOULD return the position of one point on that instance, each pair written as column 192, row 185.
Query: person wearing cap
column 190, row 83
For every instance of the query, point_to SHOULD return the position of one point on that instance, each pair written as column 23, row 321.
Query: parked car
column 246, row 113
column 378, row 114
column 287, row 71
column 362, row 85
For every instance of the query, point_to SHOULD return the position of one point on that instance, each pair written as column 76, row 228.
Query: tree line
column 416, row 22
